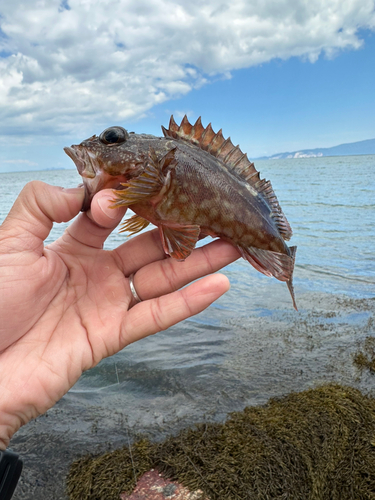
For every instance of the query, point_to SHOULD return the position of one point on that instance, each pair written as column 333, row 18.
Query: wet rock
column 153, row 486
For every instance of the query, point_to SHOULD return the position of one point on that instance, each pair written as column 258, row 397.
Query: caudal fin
column 275, row 264
column 289, row 283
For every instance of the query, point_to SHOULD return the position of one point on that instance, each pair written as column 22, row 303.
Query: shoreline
column 261, row 357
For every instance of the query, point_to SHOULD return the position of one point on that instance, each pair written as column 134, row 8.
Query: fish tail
column 276, row 264
column 289, row 283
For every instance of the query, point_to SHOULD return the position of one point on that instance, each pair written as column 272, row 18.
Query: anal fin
column 134, row 225
column 179, row 241
column 275, row 264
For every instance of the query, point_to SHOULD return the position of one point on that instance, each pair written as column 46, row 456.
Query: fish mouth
column 82, row 160
column 95, row 175
column 86, row 169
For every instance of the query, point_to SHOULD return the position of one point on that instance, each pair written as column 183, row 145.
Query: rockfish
column 190, row 183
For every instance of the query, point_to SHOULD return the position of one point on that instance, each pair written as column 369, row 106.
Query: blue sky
column 275, row 76
column 287, row 105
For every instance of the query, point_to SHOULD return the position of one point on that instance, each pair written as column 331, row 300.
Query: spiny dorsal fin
column 214, row 143
column 197, row 130
column 233, row 158
column 173, row 125
column 186, row 126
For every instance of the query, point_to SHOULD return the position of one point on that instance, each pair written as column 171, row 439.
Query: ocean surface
column 249, row 346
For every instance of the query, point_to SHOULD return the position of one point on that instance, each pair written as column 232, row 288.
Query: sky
column 275, row 75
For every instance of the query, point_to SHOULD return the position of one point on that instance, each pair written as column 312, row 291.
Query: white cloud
column 68, row 62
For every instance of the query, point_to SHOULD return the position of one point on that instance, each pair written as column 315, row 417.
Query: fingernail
column 104, row 203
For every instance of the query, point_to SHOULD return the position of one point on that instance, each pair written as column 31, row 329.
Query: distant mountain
column 353, row 148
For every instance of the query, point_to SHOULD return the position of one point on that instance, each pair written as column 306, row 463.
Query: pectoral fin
column 179, row 241
column 148, row 184
column 133, row 225
column 153, row 181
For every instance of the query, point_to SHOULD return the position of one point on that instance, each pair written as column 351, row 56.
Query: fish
column 190, row 183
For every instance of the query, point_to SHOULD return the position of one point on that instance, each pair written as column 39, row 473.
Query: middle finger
column 166, row 276
column 139, row 251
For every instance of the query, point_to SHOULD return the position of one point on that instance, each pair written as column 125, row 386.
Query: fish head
column 106, row 161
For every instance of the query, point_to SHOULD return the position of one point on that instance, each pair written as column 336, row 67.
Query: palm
column 67, row 306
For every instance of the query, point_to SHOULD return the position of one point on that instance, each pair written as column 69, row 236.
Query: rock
column 153, row 486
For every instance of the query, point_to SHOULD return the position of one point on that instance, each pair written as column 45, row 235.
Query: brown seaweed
column 315, row 445
column 365, row 358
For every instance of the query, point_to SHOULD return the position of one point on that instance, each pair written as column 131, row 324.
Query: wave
column 326, row 272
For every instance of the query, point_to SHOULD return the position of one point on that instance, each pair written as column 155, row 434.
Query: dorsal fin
column 264, row 187
column 215, row 144
column 197, row 130
column 233, row 158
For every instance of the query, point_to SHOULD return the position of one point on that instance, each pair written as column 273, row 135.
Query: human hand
column 66, row 306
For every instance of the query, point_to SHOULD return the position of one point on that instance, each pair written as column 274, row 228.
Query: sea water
column 329, row 202
column 249, row 346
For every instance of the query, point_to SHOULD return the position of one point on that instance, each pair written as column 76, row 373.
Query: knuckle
column 205, row 253
column 170, row 274
column 157, row 315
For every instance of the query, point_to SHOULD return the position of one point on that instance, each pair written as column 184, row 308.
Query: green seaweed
column 315, row 445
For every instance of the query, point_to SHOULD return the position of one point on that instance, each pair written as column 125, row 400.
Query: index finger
column 37, row 207
column 168, row 275
column 92, row 228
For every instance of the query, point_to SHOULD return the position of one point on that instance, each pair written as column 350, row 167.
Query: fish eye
column 113, row 135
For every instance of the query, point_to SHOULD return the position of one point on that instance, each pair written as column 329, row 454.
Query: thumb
column 38, row 206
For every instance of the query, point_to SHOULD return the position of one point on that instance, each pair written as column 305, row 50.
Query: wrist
column 10, row 414
column 8, row 427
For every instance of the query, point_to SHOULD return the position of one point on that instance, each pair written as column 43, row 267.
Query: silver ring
column 133, row 290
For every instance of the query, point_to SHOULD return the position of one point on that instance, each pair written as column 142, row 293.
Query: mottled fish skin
column 106, row 165
column 190, row 183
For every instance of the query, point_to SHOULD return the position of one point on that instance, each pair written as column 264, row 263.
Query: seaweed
column 108, row 475
column 366, row 357
column 318, row 444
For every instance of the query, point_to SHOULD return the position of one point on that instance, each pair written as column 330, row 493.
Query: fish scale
column 190, row 183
